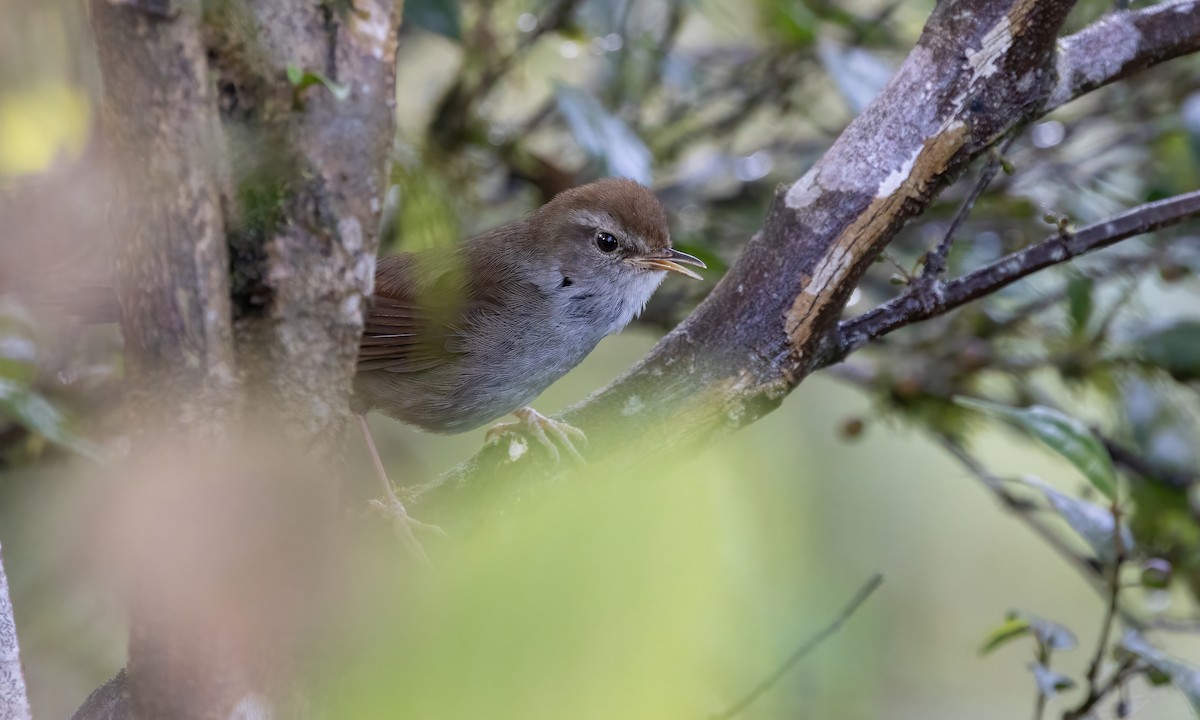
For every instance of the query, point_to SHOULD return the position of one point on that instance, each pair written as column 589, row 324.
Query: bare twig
column 1021, row 510
column 14, row 702
column 935, row 261
column 1112, row 610
column 1116, row 681
column 919, row 304
column 1135, row 463
column 805, row 648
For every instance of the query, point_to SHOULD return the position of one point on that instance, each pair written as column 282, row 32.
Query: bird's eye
column 606, row 242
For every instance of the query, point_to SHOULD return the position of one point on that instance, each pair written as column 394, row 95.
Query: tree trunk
column 251, row 137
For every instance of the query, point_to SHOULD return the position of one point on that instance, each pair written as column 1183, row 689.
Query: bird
column 457, row 337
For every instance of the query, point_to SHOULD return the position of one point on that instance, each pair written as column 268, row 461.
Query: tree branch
column 922, row 303
column 1124, row 44
column 979, row 70
column 14, row 701
column 232, row 165
column 160, row 117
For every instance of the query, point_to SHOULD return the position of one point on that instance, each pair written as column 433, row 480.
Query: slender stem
column 1113, row 608
column 805, row 648
column 1039, row 703
column 935, row 262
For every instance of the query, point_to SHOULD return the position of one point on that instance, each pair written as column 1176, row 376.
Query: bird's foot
column 405, row 526
column 391, row 507
column 548, row 432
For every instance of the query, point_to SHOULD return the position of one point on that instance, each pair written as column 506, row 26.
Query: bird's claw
column 406, row 527
column 548, row 432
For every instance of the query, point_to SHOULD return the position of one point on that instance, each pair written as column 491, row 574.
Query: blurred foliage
column 45, row 108
column 20, row 401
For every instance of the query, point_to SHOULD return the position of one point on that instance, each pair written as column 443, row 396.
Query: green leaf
column 791, row 23
column 603, row 136
column 1174, row 348
column 1185, row 677
column 1062, row 433
column 1052, row 635
column 295, row 75
column 37, row 415
column 437, row 16
column 1050, row 683
column 1093, row 522
column 1013, row 627
column 302, row 79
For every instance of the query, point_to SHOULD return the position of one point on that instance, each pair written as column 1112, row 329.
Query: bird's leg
column 391, row 507
column 548, row 432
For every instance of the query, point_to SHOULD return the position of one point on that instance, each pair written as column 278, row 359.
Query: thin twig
column 1115, row 682
column 1043, row 658
column 1111, row 610
column 1021, row 510
column 801, row 652
column 919, row 304
column 935, row 261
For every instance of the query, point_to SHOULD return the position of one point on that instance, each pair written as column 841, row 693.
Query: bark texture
column 14, row 701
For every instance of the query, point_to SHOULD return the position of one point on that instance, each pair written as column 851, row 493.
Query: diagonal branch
column 804, row 650
column 979, row 71
column 922, row 303
column 1124, row 44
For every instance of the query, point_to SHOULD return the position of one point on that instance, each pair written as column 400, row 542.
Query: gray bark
column 14, row 700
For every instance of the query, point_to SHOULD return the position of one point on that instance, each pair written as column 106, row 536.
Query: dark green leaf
column 1050, row 683
column 1093, row 522
column 1184, row 676
column 437, row 16
column 791, row 22
column 1062, row 433
column 603, row 136
column 1174, row 348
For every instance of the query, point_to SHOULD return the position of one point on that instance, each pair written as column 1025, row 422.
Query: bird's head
column 610, row 239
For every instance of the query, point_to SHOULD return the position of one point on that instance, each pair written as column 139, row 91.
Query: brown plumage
column 458, row 337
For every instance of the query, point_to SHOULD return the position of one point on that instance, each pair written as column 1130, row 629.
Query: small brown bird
column 458, row 337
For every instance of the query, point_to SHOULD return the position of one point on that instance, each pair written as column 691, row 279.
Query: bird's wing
column 414, row 315
column 417, row 315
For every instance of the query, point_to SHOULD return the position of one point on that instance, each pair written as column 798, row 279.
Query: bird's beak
column 672, row 261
